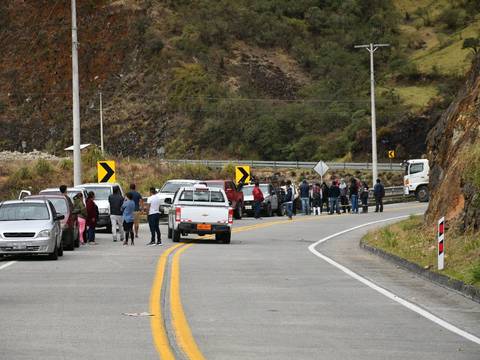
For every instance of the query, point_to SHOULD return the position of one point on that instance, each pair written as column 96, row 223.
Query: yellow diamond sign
column 106, row 172
column 242, row 174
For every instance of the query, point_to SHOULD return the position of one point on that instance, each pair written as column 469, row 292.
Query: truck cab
column 416, row 179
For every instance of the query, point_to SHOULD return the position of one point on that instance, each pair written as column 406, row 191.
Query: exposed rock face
column 449, row 143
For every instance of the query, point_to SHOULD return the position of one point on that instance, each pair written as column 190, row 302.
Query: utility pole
column 77, row 157
column 371, row 49
column 101, row 125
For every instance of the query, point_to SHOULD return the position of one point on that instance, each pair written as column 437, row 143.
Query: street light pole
column 371, row 48
column 77, row 158
column 101, row 125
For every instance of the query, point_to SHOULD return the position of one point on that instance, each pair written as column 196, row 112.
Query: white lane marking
column 385, row 292
column 4, row 266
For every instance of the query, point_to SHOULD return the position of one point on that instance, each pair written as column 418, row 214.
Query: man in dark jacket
column 289, row 199
column 116, row 201
column 379, row 193
column 325, row 198
column 305, row 197
column 334, row 193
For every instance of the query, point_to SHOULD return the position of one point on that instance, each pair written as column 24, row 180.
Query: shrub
column 43, row 167
column 66, row 164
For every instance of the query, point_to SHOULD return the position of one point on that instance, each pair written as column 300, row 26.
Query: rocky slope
column 453, row 152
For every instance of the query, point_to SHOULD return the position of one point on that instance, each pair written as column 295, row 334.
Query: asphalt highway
column 275, row 292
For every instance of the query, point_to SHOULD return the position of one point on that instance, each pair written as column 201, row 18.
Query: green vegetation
column 412, row 240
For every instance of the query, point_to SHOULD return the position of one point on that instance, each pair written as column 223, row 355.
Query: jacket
column 353, row 189
column 257, row 194
column 79, row 208
column 304, row 190
column 334, row 191
column 91, row 213
column 116, row 202
column 378, row 190
column 289, row 195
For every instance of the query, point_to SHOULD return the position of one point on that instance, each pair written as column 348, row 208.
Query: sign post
column 242, row 174
column 106, row 171
column 321, row 168
column 441, row 243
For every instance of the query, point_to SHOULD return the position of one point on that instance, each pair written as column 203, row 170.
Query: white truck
column 416, row 179
column 200, row 210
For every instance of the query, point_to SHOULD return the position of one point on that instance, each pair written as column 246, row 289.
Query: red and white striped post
column 441, row 243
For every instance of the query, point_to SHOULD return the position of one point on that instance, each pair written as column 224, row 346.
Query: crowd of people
column 340, row 196
column 125, row 212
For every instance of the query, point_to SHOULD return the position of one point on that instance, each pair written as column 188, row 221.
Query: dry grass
column 412, row 240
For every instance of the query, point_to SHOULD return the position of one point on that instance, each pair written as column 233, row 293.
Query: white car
column 200, row 210
column 30, row 227
column 102, row 191
column 169, row 189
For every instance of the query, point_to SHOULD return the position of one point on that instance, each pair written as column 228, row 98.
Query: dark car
column 234, row 195
column 63, row 205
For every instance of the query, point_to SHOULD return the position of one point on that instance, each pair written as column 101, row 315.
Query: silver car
column 30, row 227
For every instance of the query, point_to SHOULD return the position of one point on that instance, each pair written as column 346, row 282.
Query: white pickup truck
column 200, row 210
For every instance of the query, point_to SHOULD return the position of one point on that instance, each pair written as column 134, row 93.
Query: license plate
column 204, row 227
column 20, row 246
column 248, row 207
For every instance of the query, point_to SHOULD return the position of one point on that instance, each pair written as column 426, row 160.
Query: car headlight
column 103, row 211
column 44, row 233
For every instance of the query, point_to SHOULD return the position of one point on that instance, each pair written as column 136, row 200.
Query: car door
column 56, row 227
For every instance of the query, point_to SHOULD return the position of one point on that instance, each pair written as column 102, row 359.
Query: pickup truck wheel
column 422, row 194
column 175, row 236
column 238, row 212
column 269, row 210
column 68, row 240
column 227, row 237
column 169, row 233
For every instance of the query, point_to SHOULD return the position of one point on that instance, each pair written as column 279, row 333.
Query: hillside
column 251, row 79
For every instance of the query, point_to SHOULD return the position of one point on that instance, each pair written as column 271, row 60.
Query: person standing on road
column 138, row 200
column 344, row 196
column 325, row 198
column 379, row 193
column 364, row 196
column 257, row 199
column 316, row 199
column 354, row 195
column 116, row 201
column 81, row 211
column 92, row 216
column 334, row 194
column 289, row 199
column 128, row 210
column 63, row 190
column 153, row 204
column 305, row 197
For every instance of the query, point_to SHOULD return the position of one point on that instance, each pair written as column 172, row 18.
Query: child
column 364, row 197
column 128, row 209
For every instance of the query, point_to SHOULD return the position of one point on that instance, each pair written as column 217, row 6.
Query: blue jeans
column 354, row 199
column 334, row 205
column 257, row 206
column 289, row 206
column 153, row 224
column 305, row 205
column 91, row 234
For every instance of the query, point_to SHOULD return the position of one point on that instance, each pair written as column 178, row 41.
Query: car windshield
column 172, row 187
column 248, row 190
column 101, row 193
column 24, row 211
column 60, row 205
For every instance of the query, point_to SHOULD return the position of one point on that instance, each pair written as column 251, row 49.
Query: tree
column 472, row 44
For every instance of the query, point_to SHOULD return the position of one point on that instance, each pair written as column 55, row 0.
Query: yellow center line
column 183, row 334
column 157, row 325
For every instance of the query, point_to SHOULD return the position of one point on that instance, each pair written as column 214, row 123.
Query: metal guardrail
column 289, row 164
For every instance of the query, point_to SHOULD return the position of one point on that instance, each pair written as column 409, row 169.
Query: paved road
column 265, row 296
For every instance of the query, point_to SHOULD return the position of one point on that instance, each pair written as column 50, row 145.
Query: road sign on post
column 391, row 154
column 441, row 243
column 321, row 168
column 242, row 174
column 106, row 171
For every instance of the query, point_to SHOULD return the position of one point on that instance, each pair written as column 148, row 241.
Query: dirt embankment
column 454, row 171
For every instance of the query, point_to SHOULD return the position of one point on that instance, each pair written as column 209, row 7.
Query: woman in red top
column 257, row 199
column 92, row 214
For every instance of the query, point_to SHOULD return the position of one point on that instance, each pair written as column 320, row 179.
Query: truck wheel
column 175, row 236
column 269, row 212
column 169, row 233
column 226, row 237
column 238, row 212
column 422, row 194
column 60, row 250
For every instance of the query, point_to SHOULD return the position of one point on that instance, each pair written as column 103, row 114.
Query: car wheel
column 54, row 254
column 269, row 210
column 176, row 236
column 60, row 250
column 227, row 237
column 109, row 228
column 77, row 238
column 169, row 233
column 68, row 240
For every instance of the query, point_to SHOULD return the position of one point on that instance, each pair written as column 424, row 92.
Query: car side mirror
column 59, row 217
column 168, row 201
